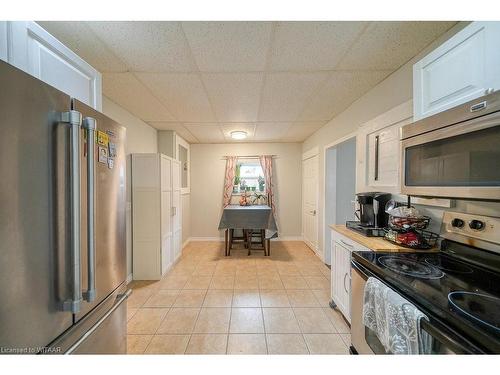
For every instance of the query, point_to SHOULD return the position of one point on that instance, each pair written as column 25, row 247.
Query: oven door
column 365, row 341
column 457, row 161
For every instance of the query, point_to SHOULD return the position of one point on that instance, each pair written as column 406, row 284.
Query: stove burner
column 448, row 265
column 481, row 308
column 410, row 267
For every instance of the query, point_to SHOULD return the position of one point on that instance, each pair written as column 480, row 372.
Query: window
column 248, row 177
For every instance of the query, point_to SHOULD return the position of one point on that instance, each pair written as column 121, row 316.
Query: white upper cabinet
column 32, row 49
column 378, row 151
column 463, row 68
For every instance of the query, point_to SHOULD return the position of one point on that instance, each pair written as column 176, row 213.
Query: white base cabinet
column 342, row 248
column 156, row 215
column 29, row 47
column 463, row 68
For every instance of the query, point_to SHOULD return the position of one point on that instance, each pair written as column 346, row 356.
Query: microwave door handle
column 74, row 120
column 377, row 142
column 89, row 124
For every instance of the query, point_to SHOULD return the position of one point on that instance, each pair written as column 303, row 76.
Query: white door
column 176, row 209
column 310, row 202
column 167, row 256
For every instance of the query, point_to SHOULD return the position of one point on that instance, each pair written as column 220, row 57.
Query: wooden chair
column 260, row 234
column 229, row 238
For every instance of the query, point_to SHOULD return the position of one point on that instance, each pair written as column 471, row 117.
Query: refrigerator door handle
column 120, row 299
column 89, row 124
column 74, row 120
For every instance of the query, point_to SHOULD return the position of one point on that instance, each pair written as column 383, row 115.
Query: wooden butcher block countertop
column 373, row 243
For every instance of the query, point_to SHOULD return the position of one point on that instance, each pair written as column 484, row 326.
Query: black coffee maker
column 371, row 214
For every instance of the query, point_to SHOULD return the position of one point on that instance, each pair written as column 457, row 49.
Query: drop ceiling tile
column 285, row 94
column 299, row 132
column 146, row 46
column 126, row 90
column 177, row 127
column 207, row 132
column 229, row 46
column 271, row 131
column 80, row 39
column 182, row 93
column 388, row 45
column 227, row 128
column 341, row 90
column 234, row 96
column 312, row 45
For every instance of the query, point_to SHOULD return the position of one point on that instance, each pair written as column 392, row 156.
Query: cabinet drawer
column 347, row 242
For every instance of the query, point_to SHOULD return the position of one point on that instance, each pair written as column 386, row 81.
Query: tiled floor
column 211, row 304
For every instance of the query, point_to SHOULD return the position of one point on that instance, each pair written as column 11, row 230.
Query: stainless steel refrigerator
column 62, row 222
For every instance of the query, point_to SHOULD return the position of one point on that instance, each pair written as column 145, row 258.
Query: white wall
column 394, row 90
column 207, row 181
column 140, row 138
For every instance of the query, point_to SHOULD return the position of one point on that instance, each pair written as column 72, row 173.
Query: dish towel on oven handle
column 394, row 320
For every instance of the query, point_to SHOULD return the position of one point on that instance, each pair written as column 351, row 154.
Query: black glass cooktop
column 460, row 294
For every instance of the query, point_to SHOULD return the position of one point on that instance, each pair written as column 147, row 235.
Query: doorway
column 340, row 187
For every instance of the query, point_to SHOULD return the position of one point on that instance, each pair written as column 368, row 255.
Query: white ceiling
column 278, row 81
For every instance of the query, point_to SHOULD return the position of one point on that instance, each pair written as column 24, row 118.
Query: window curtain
column 266, row 162
column 229, row 179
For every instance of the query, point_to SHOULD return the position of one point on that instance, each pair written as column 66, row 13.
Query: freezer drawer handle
column 121, row 298
column 74, row 120
column 89, row 124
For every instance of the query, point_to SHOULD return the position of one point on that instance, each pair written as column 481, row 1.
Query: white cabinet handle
column 347, row 244
column 489, row 90
column 344, row 282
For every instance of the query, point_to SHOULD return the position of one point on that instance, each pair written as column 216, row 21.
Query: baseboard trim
column 186, row 242
column 221, row 239
column 128, row 280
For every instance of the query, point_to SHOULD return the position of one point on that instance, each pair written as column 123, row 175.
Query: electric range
column 458, row 288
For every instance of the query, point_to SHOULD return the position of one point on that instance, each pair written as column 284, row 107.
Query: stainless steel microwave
column 454, row 154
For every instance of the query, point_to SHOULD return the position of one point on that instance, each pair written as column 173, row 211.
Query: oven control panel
column 485, row 228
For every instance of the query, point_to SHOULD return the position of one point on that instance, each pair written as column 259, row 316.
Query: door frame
column 313, row 152
column 322, row 230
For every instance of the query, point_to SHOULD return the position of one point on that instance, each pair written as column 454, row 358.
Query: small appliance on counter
column 371, row 214
column 457, row 288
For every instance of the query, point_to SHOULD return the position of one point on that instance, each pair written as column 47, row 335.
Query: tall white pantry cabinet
column 156, row 215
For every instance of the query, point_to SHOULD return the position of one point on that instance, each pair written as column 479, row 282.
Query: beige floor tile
column 270, row 282
column 325, row 344
column 190, row 298
column 173, row 282
column 162, row 298
column 323, row 296
column 136, row 344
column 246, row 298
column 294, row 282
column 213, row 320
column 198, row 282
column 222, row 282
column 288, row 270
column 302, row 298
column 310, row 271
column 168, row 344
column 246, row 320
column 317, row 282
column 146, row 321
column 247, row 344
column 207, row 344
column 286, row 344
column 218, row 298
column 346, row 337
column 205, row 269
column 313, row 320
column 246, row 282
column 131, row 311
column 139, row 297
column 337, row 320
column 179, row 320
column 274, row 298
column 280, row 320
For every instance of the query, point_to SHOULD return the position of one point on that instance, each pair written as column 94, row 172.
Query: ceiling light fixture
column 238, row 134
